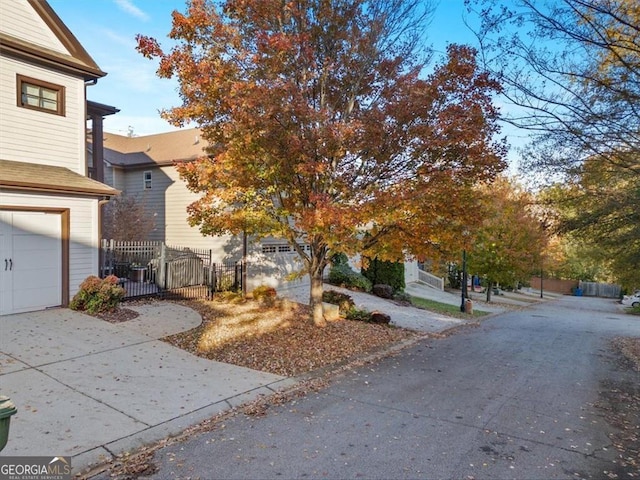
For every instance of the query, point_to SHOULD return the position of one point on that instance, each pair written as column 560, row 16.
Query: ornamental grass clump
column 98, row 295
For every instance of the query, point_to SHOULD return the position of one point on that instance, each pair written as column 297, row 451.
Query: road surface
column 514, row 398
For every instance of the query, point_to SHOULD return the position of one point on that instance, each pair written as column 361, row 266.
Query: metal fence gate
column 156, row 269
column 595, row 289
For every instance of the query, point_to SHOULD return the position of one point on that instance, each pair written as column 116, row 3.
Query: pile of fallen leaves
column 629, row 348
column 620, row 401
column 279, row 338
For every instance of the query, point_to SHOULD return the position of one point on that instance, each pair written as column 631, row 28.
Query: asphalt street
column 513, row 398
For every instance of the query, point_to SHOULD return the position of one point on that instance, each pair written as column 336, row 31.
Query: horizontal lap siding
column 19, row 20
column 152, row 200
column 40, row 137
column 167, row 201
column 83, row 250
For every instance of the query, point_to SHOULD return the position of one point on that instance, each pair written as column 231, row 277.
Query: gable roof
column 51, row 179
column 159, row 149
column 77, row 61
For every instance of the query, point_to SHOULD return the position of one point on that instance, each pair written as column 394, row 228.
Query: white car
column 632, row 300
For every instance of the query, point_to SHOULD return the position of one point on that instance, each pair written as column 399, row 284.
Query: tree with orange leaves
column 508, row 246
column 325, row 131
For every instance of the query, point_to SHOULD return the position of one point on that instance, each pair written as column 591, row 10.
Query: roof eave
column 34, row 187
column 48, row 58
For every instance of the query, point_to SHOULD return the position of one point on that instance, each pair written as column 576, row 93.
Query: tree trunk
column 489, row 289
column 315, row 299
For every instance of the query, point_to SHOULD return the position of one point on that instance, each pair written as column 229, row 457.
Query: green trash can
column 7, row 408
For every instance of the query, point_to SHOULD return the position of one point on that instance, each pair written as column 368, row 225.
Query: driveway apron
column 90, row 389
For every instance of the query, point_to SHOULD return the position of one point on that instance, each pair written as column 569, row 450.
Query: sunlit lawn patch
column 444, row 308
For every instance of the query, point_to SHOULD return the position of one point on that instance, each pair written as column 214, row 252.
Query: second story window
column 147, row 180
column 39, row 95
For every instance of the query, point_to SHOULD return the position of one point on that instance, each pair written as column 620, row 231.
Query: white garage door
column 30, row 261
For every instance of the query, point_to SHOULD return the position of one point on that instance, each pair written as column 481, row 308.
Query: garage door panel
column 33, row 252
column 25, row 242
column 42, row 278
column 34, row 299
column 32, row 240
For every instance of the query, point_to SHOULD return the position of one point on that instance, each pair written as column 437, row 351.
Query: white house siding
column 83, row 244
column 19, row 20
column 177, row 228
column 40, row 137
column 273, row 269
column 410, row 271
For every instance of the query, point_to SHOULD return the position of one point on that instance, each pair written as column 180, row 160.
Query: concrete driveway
column 90, row 389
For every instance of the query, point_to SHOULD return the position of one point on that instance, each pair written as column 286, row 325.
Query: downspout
column 101, row 203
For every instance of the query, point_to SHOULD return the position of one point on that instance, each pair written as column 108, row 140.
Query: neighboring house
column 49, row 208
column 144, row 167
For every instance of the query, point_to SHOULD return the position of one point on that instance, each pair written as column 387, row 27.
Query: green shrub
column 344, row 301
column 342, row 276
column 385, row 273
column 97, row 296
column 339, row 259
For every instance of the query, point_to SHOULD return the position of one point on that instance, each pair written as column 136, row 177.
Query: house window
column 147, row 180
column 283, row 248
column 38, row 95
column 268, row 249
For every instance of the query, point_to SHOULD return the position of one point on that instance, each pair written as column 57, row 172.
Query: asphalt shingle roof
column 159, row 149
column 34, row 176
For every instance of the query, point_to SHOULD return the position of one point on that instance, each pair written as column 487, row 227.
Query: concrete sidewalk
column 90, row 389
column 401, row 316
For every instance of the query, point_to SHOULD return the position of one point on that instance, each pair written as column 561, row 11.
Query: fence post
column 111, row 254
column 166, row 276
column 163, row 266
column 214, row 279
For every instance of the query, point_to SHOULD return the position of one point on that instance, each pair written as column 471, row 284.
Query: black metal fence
column 156, row 269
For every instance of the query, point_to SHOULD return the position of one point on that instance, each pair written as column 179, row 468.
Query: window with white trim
column 39, row 95
column 146, row 179
column 282, row 248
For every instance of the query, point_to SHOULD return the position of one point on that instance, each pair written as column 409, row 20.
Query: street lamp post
column 463, row 288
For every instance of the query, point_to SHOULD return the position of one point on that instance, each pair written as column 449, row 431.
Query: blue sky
column 107, row 30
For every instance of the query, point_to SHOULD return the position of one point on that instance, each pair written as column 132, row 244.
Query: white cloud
column 127, row 41
column 131, row 9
